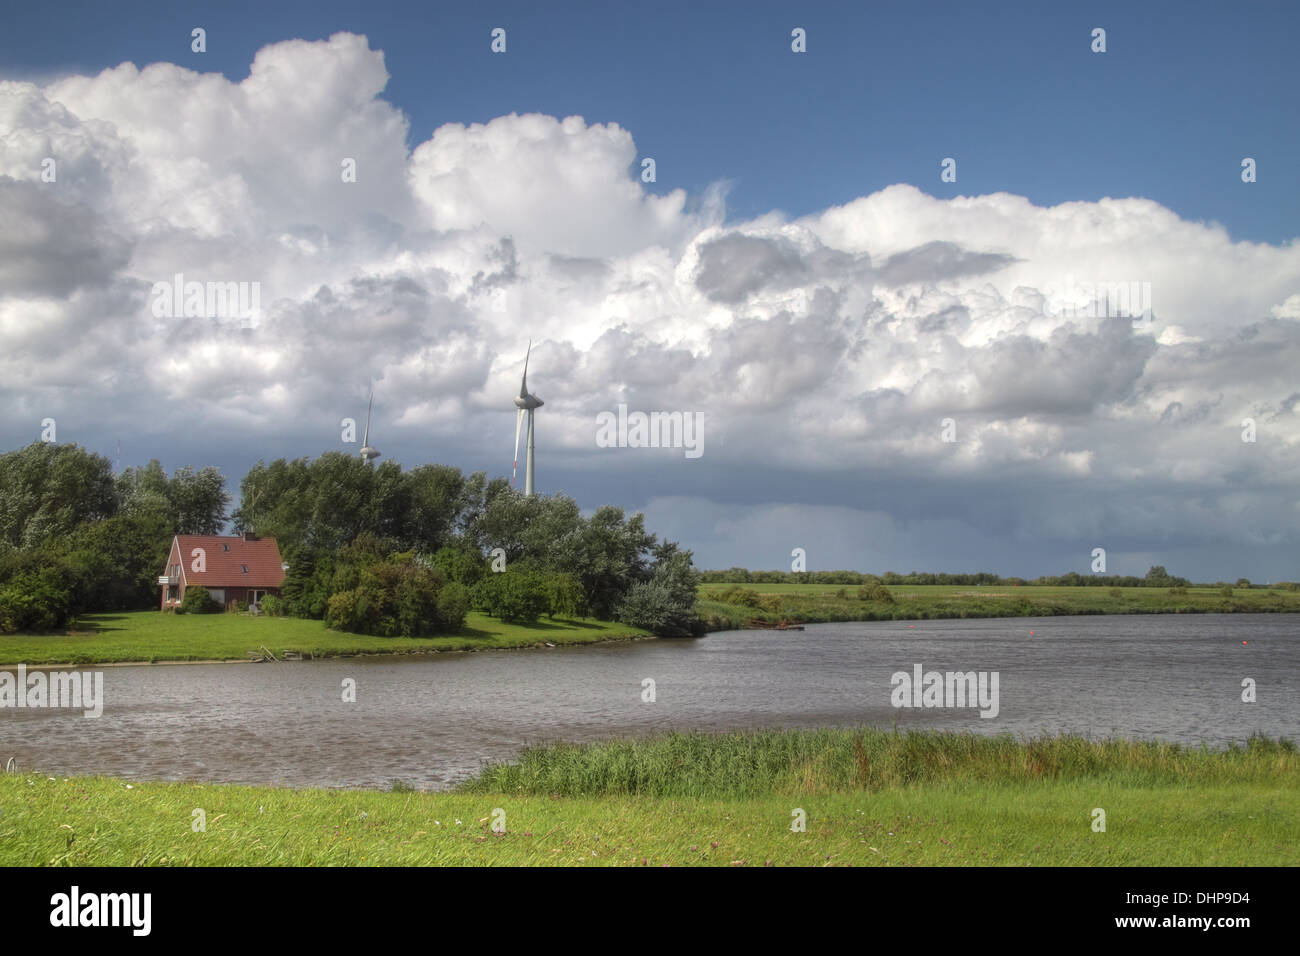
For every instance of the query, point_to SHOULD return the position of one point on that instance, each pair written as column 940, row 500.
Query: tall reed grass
column 763, row 762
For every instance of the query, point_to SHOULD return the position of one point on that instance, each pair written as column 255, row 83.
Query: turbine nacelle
column 526, row 401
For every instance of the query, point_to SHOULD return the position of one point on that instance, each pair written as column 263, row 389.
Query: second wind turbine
column 525, row 403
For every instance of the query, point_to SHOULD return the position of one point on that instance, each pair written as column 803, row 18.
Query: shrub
column 516, row 595
column 453, row 605
column 197, row 600
column 653, row 607
column 1115, row 592
column 1226, row 590
column 742, row 596
column 397, row 597
column 36, row 593
column 239, row 607
column 876, row 592
column 272, row 606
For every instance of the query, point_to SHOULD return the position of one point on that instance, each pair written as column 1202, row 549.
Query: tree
column 191, row 502
column 116, row 561
column 1157, row 576
column 47, row 490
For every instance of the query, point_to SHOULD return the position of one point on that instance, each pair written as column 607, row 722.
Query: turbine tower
column 368, row 454
column 525, row 403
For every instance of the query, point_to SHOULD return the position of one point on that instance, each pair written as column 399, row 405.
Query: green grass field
column 812, row 603
column 154, row 636
column 869, row 798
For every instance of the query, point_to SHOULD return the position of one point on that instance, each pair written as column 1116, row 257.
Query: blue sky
column 839, row 305
column 1012, row 91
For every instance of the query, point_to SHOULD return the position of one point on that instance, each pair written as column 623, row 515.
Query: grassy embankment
column 154, row 636
column 870, row 797
column 732, row 605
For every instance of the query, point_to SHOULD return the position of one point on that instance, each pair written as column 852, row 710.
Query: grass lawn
column 869, row 798
column 155, row 636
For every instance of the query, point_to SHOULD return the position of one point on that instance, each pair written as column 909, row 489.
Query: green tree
column 47, row 490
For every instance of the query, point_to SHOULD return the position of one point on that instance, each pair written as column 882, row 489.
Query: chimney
column 249, row 536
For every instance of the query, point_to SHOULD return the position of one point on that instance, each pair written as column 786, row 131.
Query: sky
column 890, row 368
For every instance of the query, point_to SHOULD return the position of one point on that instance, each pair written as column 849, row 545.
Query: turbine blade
column 365, row 440
column 519, row 422
column 523, row 389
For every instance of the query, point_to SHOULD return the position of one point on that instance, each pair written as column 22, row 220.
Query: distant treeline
column 1157, row 577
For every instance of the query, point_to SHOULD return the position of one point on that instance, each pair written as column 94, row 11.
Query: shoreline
column 809, row 616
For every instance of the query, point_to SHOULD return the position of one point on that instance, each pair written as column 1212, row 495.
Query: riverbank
column 730, row 606
column 866, row 798
column 153, row 637
column 148, row 637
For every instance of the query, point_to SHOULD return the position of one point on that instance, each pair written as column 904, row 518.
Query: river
column 430, row 721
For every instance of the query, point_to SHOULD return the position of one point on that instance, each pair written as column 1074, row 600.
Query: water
column 430, row 721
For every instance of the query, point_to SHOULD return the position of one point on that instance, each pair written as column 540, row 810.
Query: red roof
column 225, row 559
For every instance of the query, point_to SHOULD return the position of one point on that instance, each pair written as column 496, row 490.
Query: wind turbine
column 525, row 403
column 368, row 454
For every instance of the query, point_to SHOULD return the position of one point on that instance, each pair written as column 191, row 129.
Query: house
column 232, row 568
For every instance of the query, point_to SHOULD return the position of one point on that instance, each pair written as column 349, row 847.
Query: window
column 244, row 568
column 225, row 547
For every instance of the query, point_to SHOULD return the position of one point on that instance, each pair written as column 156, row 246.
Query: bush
column 197, row 600
column 272, row 606
column 653, row 607
column 37, row 592
column 742, row 596
column 396, row 597
column 876, row 592
column 1226, row 590
column 1115, row 592
column 239, row 607
column 453, row 605
column 514, row 595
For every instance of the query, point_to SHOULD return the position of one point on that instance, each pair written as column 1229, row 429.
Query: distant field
column 154, row 636
column 823, row 602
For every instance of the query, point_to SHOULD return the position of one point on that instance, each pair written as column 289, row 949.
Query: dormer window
column 225, row 547
column 244, row 568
